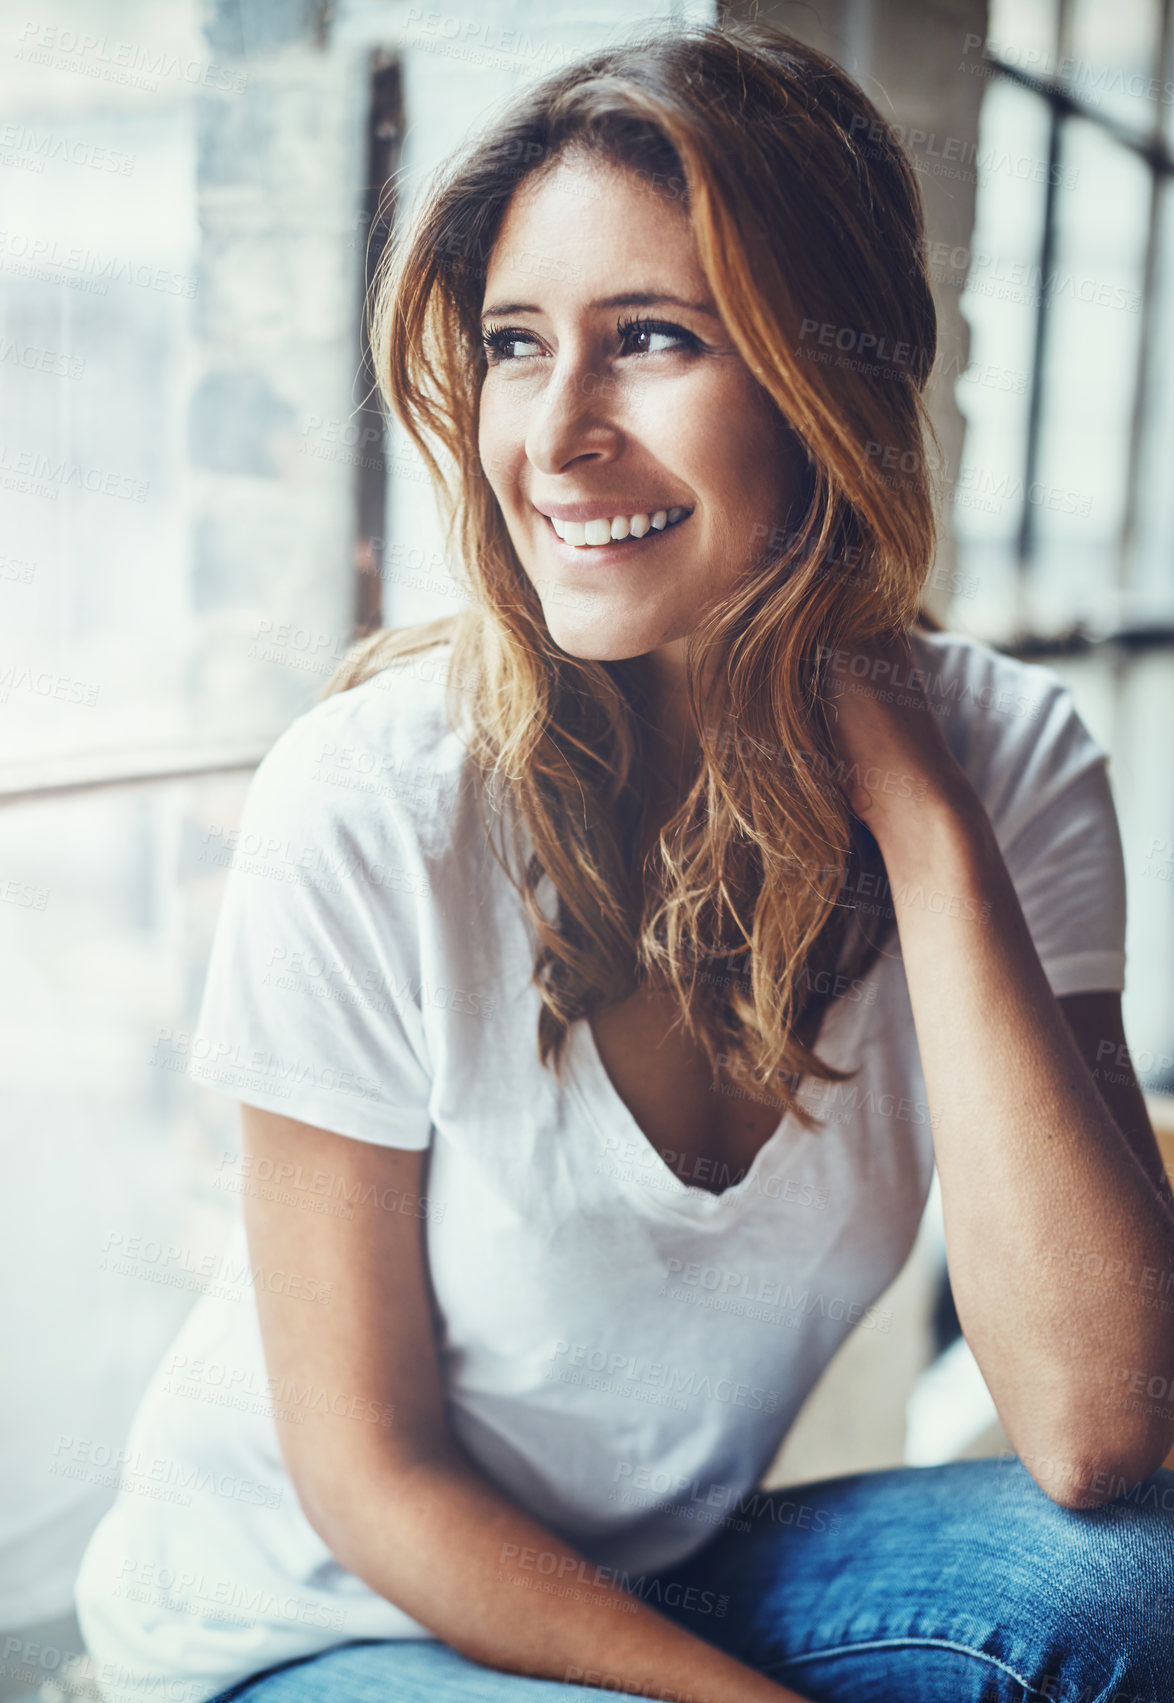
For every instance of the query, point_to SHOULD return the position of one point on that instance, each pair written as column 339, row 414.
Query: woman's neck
column 674, row 745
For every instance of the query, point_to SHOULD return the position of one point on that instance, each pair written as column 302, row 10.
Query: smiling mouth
column 584, row 536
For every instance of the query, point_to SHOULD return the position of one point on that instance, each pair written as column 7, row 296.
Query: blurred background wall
column 201, row 510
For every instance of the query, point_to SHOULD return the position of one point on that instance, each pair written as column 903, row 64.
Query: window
column 1064, row 503
column 182, row 263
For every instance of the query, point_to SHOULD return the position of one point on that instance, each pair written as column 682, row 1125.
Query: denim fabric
column 962, row 1583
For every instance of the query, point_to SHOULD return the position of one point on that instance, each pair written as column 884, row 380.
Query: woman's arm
column 381, row 1477
column 1050, row 1215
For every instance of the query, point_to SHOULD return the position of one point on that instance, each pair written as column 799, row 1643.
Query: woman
column 601, row 958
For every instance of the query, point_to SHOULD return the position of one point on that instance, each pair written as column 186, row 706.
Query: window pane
column 97, row 306
column 1110, row 64
column 1023, row 33
column 1152, row 565
column 116, row 1157
column 999, row 303
column 1122, row 707
column 1089, row 379
column 178, row 327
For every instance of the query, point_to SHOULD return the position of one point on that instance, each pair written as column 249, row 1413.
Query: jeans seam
column 935, row 1643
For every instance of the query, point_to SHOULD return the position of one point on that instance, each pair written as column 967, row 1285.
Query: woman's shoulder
column 382, row 748
column 965, row 670
column 1012, row 725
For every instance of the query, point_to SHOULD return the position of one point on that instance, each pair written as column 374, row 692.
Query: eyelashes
column 496, row 339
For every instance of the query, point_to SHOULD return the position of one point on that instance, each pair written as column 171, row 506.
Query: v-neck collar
column 653, row 1179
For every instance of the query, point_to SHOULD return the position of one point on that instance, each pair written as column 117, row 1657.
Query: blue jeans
column 962, row 1583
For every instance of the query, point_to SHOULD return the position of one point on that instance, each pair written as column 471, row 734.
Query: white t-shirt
column 623, row 1350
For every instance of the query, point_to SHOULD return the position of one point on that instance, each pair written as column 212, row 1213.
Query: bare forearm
column 442, row 1544
column 1029, row 1157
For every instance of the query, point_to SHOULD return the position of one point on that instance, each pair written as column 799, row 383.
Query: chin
column 588, row 632
column 595, row 640
column 588, row 646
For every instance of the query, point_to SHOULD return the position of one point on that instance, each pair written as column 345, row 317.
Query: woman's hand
column 897, row 764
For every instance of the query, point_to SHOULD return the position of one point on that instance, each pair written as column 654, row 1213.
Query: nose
column 574, row 416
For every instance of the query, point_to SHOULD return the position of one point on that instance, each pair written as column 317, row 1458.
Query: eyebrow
column 633, row 298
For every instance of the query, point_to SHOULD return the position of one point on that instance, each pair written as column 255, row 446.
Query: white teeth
column 601, row 531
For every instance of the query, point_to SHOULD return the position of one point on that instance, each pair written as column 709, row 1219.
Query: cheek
column 496, row 449
column 502, row 426
column 763, row 462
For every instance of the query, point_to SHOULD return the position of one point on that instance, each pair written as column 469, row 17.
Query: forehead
column 584, row 229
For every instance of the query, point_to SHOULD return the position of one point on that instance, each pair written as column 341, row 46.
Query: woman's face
column 582, row 418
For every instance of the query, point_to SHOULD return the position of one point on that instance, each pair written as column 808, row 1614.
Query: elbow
column 1082, row 1487
column 1109, row 1481
column 327, row 1514
column 1085, row 1476
column 338, row 1496
column 354, row 1499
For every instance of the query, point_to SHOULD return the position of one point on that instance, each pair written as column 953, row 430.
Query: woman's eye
column 500, row 341
column 651, row 328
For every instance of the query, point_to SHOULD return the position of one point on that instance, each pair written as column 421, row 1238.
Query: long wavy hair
column 809, row 227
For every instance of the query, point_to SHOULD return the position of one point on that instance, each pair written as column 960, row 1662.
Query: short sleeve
column 311, row 1001
column 1063, row 851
